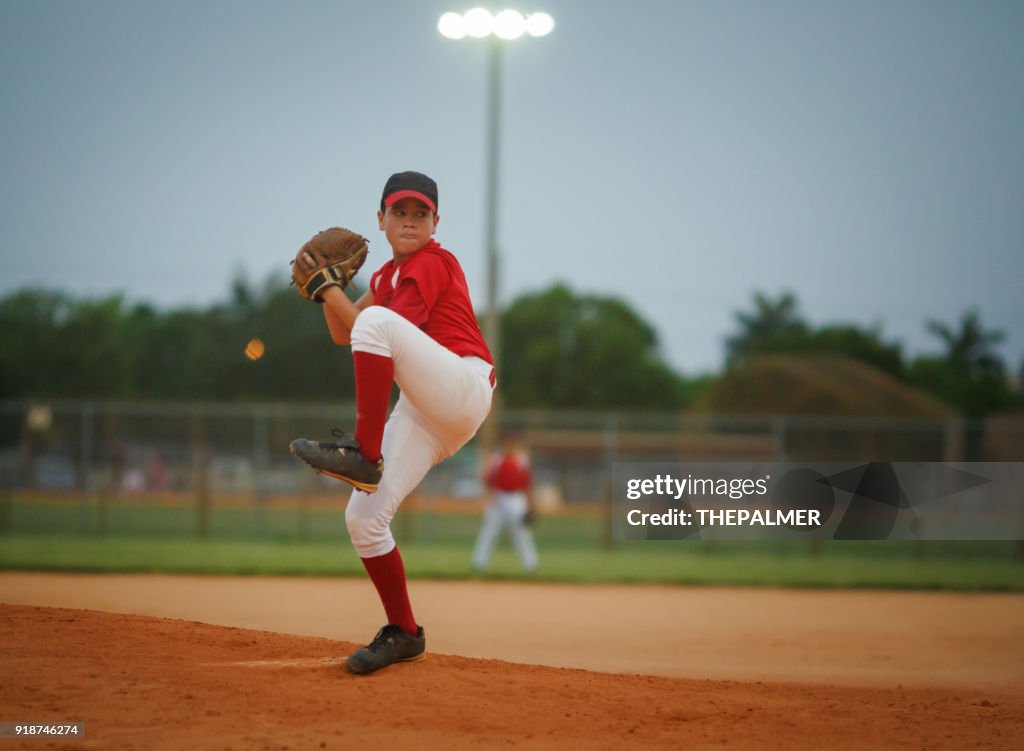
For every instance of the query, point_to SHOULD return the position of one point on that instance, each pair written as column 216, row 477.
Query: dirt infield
column 764, row 669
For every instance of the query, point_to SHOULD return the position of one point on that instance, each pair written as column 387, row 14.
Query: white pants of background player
column 444, row 400
column 505, row 510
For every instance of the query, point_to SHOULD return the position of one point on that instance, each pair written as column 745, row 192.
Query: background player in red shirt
column 508, row 479
column 414, row 326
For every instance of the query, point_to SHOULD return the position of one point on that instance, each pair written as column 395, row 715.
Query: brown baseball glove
column 330, row 258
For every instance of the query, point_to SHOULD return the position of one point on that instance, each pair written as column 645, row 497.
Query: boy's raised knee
column 369, row 333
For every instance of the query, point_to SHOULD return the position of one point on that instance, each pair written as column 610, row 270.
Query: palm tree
column 770, row 322
column 970, row 347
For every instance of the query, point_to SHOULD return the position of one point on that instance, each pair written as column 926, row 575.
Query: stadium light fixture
column 506, row 25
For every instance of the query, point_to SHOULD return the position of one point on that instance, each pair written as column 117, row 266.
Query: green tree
column 55, row 346
column 775, row 326
column 772, row 326
column 52, row 345
column 29, row 321
column 562, row 350
column 971, row 374
column 969, row 346
column 301, row 361
column 865, row 345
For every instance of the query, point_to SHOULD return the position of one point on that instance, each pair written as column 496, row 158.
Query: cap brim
column 398, row 195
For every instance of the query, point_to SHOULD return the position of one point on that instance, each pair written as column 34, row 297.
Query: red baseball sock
column 388, row 575
column 374, row 374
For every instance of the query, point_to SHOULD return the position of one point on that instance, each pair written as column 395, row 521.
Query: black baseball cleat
column 341, row 460
column 390, row 645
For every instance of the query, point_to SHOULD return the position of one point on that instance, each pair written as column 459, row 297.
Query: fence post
column 112, row 455
column 260, row 467
column 201, row 475
column 953, row 440
column 26, row 455
column 6, row 504
column 85, row 449
column 611, row 451
column 779, row 437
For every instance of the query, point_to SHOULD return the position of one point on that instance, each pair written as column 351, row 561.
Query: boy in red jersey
column 414, row 326
column 508, row 479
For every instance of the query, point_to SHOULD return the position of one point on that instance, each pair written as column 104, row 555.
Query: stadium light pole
column 506, row 25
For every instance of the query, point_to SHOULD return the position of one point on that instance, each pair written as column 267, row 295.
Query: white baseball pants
column 444, row 400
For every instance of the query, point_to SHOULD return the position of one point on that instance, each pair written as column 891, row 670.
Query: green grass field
column 312, row 541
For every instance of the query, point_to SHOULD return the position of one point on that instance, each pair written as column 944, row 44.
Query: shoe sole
column 417, row 658
column 363, row 486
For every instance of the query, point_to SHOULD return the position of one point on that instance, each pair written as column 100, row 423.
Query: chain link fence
column 81, row 467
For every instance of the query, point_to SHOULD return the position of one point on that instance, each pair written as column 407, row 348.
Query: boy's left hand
column 330, row 258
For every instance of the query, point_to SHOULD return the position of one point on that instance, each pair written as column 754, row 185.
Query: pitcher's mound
column 140, row 682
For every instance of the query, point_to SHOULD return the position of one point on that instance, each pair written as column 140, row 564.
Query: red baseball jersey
column 509, row 472
column 429, row 289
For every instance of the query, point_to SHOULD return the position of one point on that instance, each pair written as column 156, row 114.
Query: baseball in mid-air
column 254, row 349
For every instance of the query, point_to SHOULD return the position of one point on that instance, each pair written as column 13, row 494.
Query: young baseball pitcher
column 414, row 326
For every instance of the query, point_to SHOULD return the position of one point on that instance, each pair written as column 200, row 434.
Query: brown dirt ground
column 665, row 667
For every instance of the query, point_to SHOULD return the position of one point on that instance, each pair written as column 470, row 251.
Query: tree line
column 560, row 349
column 968, row 372
column 54, row 345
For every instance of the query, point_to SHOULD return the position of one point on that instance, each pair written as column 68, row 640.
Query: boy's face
column 408, row 225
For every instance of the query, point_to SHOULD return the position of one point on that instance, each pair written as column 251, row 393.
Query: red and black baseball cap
column 409, row 185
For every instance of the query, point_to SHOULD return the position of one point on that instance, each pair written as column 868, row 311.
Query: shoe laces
column 385, row 637
column 338, row 433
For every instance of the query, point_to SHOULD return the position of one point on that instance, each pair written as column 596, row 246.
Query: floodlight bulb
column 539, row 24
column 509, row 24
column 452, row 26
column 479, row 22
